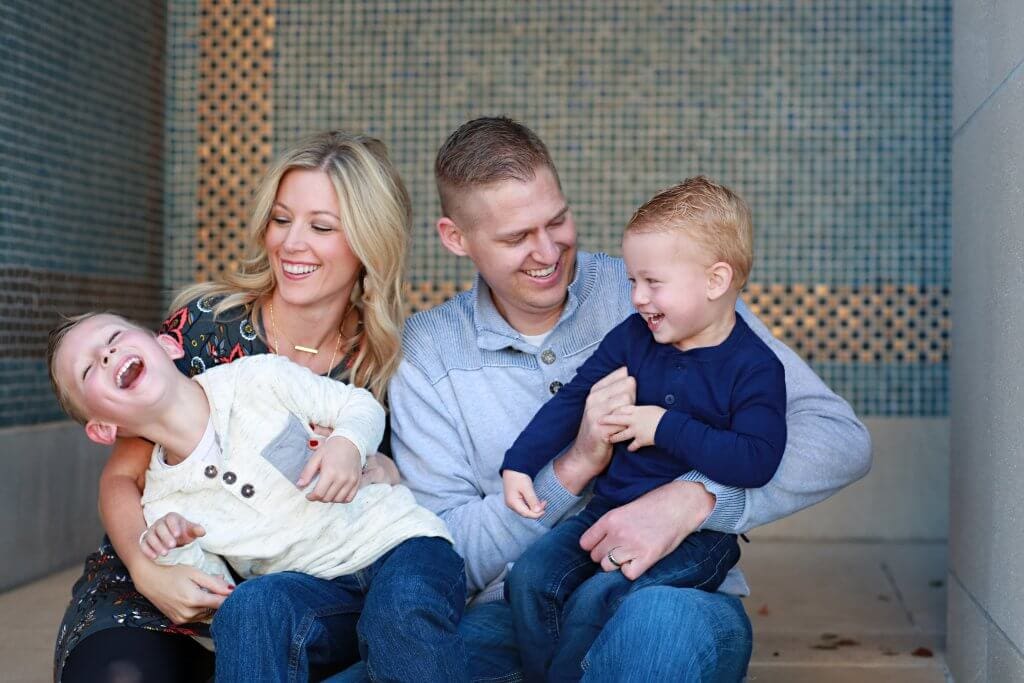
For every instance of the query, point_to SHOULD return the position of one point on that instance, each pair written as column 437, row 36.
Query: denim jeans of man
column 400, row 616
column 660, row 633
column 561, row 598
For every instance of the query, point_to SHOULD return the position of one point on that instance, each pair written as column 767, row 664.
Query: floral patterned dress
column 104, row 596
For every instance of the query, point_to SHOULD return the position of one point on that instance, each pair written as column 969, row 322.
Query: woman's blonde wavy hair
column 377, row 219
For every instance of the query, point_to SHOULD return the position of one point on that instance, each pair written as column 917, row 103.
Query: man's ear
column 102, row 433
column 452, row 237
column 719, row 280
column 170, row 345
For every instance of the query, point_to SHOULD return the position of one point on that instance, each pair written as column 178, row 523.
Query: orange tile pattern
column 236, row 42
column 887, row 323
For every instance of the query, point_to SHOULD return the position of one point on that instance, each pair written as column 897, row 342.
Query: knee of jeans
column 688, row 609
column 250, row 599
column 526, row 576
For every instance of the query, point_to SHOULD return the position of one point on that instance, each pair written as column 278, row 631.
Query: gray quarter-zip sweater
column 469, row 383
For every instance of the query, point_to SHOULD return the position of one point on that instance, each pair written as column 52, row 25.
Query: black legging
column 137, row 655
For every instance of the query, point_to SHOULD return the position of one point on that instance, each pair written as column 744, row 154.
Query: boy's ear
column 102, row 433
column 170, row 345
column 719, row 280
column 452, row 236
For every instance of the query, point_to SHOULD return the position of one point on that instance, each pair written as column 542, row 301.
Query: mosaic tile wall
column 81, row 178
column 830, row 117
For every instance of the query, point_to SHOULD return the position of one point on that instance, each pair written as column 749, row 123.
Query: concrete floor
column 840, row 612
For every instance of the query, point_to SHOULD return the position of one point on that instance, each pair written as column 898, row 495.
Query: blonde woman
column 329, row 231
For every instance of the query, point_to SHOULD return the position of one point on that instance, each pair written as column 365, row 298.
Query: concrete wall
column 903, row 498
column 81, row 205
column 48, row 496
column 986, row 603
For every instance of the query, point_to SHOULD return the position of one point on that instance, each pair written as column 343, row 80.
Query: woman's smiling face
column 305, row 241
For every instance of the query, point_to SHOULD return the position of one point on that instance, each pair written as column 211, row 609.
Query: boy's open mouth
column 654, row 319
column 129, row 372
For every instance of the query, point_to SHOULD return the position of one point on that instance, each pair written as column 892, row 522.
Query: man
column 477, row 368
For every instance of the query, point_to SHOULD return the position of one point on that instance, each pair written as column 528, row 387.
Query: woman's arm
column 182, row 593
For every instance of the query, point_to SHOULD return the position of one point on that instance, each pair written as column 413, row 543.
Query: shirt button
column 555, row 386
column 210, row 471
column 548, row 357
column 230, row 478
column 670, row 399
column 247, row 490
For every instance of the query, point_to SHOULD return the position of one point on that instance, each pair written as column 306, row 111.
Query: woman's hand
column 380, row 469
column 338, row 463
column 184, row 594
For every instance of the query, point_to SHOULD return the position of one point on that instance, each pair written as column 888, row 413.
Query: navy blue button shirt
column 726, row 412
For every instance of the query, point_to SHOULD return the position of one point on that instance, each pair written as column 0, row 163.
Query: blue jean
column 561, row 599
column 400, row 615
column 658, row 634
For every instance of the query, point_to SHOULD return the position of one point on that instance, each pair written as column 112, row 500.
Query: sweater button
column 210, row 471
column 670, row 399
column 554, row 387
column 230, row 478
column 548, row 357
column 247, row 490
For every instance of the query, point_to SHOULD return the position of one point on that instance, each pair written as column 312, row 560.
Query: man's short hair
column 710, row 214
column 484, row 151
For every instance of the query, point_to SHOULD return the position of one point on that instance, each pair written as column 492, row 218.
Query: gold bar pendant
column 306, row 349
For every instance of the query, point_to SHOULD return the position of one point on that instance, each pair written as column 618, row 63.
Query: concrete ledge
column 905, row 496
column 48, row 516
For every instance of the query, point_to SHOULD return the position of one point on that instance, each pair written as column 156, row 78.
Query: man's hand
column 337, row 461
column 520, row 495
column 169, row 532
column 184, row 594
column 638, row 423
column 592, row 450
column 640, row 533
column 379, row 469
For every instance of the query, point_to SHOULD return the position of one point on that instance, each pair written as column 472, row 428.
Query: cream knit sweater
column 254, row 515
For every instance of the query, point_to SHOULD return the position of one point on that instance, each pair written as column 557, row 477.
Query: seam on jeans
column 718, row 565
column 553, row 614
column 507, row 678
column 298, row 645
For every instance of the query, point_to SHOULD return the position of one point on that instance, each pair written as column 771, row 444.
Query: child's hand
column 520, row 496
column 638, row 423
column 337, row 461
column 169, row 532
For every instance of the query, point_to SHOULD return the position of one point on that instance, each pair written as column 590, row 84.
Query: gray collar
column 493, row 333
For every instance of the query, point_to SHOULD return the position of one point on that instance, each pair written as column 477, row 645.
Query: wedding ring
column 611, row 558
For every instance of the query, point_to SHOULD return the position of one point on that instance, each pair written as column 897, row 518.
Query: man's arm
column 827, row 447
column 435, row 456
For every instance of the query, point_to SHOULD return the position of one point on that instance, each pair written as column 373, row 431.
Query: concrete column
column 986, row 583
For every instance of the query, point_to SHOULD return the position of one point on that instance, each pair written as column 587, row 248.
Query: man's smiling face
column 522, row 238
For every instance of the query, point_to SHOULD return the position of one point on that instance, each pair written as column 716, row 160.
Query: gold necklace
column 297, row 347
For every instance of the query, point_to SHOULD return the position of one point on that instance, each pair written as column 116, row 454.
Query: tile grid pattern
column 831, row 118
column 81, row 179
